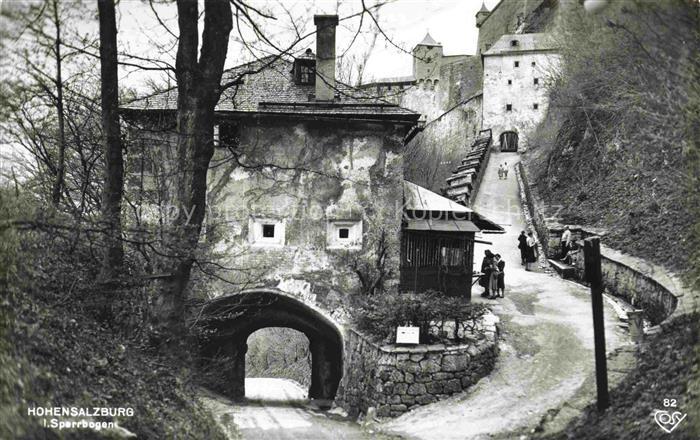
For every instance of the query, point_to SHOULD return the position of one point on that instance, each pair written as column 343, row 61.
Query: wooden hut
column 437, row 242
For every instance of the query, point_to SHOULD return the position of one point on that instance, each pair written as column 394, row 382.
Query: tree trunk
column 199, row 90
column 61, row 162
column 111, row 137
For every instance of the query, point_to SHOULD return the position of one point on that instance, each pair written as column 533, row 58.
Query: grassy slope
column 619, row 147
column 55, row 352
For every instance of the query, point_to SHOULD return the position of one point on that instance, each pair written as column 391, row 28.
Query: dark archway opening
column 227, row 322
column 509, row 141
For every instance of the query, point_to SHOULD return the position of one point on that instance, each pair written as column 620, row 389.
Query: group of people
column 528, row 249
column 503, row 170
column 493, row 278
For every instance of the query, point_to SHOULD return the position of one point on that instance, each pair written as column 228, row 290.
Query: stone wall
column 643, row 285
column 439, row 148
column 395, row 379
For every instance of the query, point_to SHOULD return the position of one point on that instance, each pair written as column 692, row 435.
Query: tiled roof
column 267, row 86
column 525, row 43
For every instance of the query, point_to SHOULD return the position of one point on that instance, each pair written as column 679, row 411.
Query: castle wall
column 522, row 94
column 439, row 148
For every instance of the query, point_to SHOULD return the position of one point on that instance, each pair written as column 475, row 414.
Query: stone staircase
column 464, row 182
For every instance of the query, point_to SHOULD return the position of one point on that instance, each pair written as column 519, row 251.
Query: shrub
column 379, row 315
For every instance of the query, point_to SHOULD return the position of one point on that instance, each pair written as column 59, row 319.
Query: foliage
column 618, row 149
column 57, row 349
column 379, row 315
column 279, row 352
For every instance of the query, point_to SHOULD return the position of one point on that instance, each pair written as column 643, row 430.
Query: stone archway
column 229, row 320
column 509, row 141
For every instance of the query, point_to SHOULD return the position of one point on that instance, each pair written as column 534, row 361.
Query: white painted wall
column 522, row 94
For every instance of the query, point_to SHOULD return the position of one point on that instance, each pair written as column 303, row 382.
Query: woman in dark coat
column 486, row 268
column 522, row 245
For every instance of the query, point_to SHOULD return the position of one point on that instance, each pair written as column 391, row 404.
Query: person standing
column 522, row 245
column 565, row 241
column 486, row 269
column 531, row 251
column 505, row 170
column 501, row 282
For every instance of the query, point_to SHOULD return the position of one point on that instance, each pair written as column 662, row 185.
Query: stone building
column 517, row 69
column 305, row 206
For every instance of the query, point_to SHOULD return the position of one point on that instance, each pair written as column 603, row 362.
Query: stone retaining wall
column 644, row 285
column 395, row 379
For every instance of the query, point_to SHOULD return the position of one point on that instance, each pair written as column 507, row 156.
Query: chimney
column 325, row 56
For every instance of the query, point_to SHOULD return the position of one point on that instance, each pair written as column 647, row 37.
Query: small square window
column 510, row 81
column 516, row 64
column 536, row 81
column 533, row 64
column 268, row 231
column 513, row 43
column 535, row 106
column 344, row 234
column 509, row 107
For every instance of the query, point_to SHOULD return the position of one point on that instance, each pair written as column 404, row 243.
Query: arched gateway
column 227, row 321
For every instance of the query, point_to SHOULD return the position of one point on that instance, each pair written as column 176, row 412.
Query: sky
column 405, row 22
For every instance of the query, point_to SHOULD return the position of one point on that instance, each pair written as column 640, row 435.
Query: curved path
column 277, row 409
column 546, row 338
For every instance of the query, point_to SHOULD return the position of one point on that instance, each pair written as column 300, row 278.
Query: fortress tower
column 427, row 58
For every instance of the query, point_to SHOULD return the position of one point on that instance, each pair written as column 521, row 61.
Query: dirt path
column 547, row 339
column 277, row 409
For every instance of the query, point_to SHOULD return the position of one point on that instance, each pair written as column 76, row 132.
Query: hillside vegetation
column 619, row 147
column 60, row 347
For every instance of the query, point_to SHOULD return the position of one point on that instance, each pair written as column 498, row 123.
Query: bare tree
column 199, row 90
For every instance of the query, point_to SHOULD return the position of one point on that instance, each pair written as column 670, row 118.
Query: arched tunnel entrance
column 227, row 322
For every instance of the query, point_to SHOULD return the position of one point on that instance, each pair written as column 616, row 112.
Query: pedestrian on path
column 500, row 172
column 486, row 269
column 501, row 282
column 522, row 245
column 531, row 251
column 505, row 170
column 565, row 242
column 493, row 279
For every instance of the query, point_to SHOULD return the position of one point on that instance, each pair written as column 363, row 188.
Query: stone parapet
column 395, row 379
column 660, row 293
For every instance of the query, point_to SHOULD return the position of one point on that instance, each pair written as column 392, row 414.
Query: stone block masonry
column 395, row 379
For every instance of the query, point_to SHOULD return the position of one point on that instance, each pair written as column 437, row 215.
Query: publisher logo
column 668, row 419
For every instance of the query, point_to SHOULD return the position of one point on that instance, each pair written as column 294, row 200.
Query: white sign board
column 407, row 335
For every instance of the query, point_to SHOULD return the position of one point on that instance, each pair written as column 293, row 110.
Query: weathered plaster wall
column 305, row 174
column 522, row 94
column 396, row 379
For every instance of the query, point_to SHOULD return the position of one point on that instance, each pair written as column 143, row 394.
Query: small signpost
column 591, row 252
column 407, row 335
